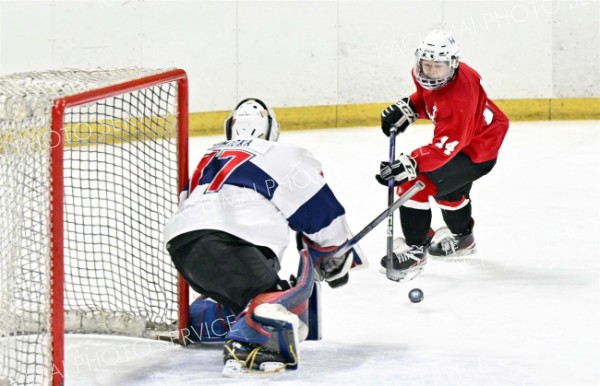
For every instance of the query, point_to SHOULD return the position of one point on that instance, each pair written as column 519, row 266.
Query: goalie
column 232, row 227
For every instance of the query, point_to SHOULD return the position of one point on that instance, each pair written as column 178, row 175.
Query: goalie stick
column 389, row 272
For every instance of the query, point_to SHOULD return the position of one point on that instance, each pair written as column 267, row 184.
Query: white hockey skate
column 408, row 260
column 447, row 245
column 276, row 356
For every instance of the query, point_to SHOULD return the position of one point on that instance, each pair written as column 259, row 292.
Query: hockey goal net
column 91, row 163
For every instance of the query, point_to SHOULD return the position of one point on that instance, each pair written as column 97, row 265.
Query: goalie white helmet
column 251, row 118
column 437, row 47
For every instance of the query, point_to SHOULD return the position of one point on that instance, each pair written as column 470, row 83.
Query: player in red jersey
column 468, row 132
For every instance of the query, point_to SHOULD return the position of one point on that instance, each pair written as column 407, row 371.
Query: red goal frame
column 57, row 198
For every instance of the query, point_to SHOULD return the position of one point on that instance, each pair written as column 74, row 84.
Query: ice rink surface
column 525, row 310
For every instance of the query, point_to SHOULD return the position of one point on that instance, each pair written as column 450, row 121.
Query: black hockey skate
column 241, row 358
column 447, row 244
column 408, row 260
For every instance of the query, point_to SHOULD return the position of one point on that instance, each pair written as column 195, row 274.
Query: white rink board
column 310, row 53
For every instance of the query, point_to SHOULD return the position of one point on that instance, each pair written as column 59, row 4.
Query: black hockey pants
column 224, row 267
column 453, row 181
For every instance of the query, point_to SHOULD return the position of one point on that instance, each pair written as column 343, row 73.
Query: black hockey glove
column 342, row 281
column 400, row 115
column 401, row 170
column 334, row 268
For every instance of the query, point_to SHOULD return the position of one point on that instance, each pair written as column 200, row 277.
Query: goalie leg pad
column 266, row 337
column 315, row 329
column 285, row 327
column 247, row 330
column 209, row 321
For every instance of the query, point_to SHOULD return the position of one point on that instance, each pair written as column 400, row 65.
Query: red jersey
column 464, row 120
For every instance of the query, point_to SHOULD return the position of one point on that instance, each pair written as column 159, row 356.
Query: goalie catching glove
column 401, row 170
column 399, row 115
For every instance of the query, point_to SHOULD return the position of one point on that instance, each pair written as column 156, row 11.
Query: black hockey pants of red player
column 450, row 185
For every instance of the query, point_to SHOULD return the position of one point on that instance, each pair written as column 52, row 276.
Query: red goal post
column 106, row 155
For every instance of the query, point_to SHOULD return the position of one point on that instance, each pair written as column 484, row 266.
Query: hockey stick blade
column 380, row 218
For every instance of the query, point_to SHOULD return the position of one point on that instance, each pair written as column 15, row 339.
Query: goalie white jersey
column 257, row 190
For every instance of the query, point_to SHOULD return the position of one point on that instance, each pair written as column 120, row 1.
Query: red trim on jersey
column 452, row 204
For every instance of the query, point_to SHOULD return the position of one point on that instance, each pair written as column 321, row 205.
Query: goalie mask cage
column 91, row 164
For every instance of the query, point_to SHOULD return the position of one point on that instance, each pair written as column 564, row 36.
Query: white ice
column 525, row 310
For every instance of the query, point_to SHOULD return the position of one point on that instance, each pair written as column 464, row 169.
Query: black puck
column 416, row 295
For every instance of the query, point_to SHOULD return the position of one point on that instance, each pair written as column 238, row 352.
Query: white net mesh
column 120, row 186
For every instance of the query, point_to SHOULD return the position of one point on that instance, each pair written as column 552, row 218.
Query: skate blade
column 402, row 276
column 453, row 257
column 236, row 369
